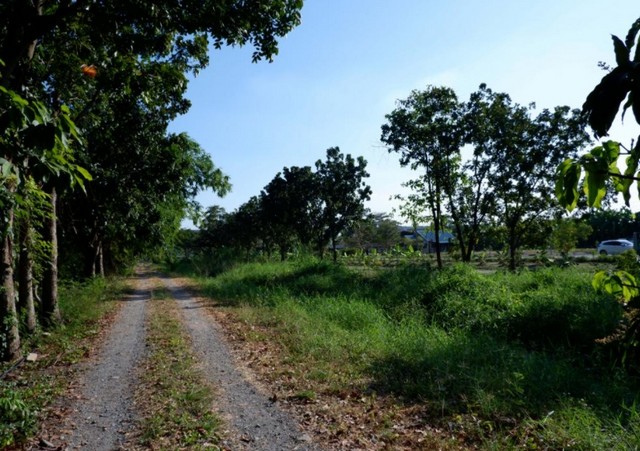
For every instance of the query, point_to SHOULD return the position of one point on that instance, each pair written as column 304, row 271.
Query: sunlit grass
column 517, row 352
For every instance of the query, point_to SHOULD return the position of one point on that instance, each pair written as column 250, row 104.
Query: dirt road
column 102, row 411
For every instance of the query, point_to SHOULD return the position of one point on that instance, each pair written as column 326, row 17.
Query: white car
column 614, row 247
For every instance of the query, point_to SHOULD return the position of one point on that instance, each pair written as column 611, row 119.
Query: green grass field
column 510, row 359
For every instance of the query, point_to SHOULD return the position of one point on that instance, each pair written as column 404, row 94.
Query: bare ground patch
column 173, row 400
column 95, row 410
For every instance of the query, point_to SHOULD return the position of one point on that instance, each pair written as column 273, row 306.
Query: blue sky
column 343, row 68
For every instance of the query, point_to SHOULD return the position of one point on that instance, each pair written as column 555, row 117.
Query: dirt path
column 104, row 411
column 101, row 408
column 255, row 422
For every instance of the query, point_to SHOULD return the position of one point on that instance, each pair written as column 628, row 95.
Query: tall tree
column 34, row 142
column 290, row 206
column 38, row 38
column 342, row 192
column 424, row 130
column 521, row 151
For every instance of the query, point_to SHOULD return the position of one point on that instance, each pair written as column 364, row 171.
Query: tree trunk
column 50, row 310
column 465, row 248
column 100, row 262
column 25, row 278
column 334, row 250
column 513, row 247
column 436, row 232
column 10, row 338
column 90, row 256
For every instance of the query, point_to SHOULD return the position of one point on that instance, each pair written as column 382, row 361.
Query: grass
column 32, row 386
column 503, row 360
column 176, row 401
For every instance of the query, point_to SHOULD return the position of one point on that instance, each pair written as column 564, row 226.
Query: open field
column 454, row 357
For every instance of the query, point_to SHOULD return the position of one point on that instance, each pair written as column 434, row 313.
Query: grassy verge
column 27, row 390
column 176, row 401
column 497, row 361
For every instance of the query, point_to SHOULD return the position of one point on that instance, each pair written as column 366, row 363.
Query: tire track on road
column 256, row 422
column 104, row 413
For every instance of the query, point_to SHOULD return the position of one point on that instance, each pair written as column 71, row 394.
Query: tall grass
column 518, row 351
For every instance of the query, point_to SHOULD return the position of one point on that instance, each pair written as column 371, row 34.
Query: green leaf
column 567, row 179
column 621, row 284
column 84, row 173
column 621, row 50
column 6, row 168
column 611, row 150
column 595, row 188
column 631, row 37
column 598, row 281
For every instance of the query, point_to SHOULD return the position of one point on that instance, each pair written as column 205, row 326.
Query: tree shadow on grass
column 497, row 380
column 324, row 279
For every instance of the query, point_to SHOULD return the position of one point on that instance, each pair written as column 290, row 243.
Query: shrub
column 17, row 419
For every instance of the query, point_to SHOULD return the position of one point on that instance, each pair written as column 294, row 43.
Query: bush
column 544, row 308
column 17, row 419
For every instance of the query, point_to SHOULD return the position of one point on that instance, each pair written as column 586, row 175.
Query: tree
column 36, row 36
column 519, row 151
column 34, row 142
column 424, row 130
column 600, row 169
column 600, row 165
column 566, row 235
column 245, row 224
column 290, row 207
column 342, row 193
column 144, row 25
column 374, row 230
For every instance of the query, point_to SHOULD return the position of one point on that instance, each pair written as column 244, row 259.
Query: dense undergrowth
column 28, row 388
column 512, row 359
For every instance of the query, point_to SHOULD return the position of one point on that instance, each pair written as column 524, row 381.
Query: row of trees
column 298, row 207
column 380, row 231
column 509, row 176
column 487, row 173
column 87, row 91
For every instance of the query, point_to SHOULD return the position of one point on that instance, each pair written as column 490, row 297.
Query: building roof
column 421, row 232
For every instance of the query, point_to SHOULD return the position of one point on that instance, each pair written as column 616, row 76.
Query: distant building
column 427, row 238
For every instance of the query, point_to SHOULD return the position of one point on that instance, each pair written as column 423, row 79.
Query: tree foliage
column 342, row 194
column 115, row 74
column 519, row 151
column 298, row 208
column 425, row 130
column 508, row 177
column 598, row 169
column 376, row 230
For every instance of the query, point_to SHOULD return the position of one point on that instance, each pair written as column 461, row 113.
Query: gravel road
column 104, row 412
column 101, row 410
column 255, row 422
